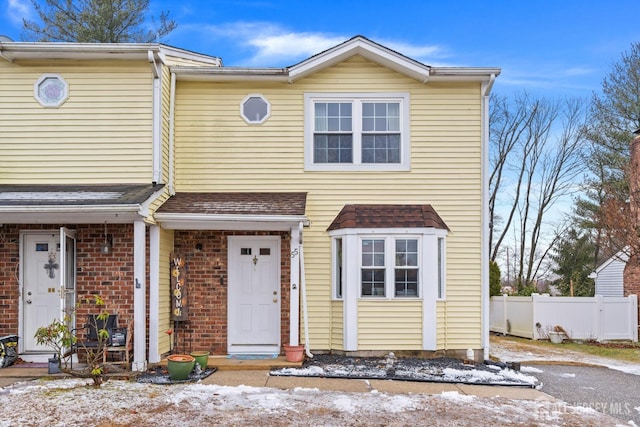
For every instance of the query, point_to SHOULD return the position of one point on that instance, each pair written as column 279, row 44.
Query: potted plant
column 59, row 338
column 202, row 358
column 294, row 353
column 180, row 366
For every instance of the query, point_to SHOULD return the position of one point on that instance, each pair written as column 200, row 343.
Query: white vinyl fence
column 583, row 318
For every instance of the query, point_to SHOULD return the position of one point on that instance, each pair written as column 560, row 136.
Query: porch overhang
column 76, row 204
column 233, row 211
column 230, row 222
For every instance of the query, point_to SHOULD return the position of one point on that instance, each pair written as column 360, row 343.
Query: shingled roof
column 387, row 216
column 236, row 204
column 76, row 195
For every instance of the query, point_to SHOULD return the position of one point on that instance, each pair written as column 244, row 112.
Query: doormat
column 29, row 365
column 159, row 375
column 252, row 356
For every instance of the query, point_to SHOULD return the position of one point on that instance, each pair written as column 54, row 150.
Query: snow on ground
column 517, row 351
column 442, row 369
column 73, row 402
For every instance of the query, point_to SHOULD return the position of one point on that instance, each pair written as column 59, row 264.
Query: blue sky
column 557, row 47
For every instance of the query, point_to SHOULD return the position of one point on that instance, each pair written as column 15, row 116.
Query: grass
column 624, row 351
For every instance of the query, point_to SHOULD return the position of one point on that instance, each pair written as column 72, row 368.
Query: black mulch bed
column 160, row 375
column 443, row 369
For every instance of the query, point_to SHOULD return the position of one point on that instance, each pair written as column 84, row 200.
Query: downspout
column 172, row 114
column 486, row 89
column 156, row 145
column 303, row 290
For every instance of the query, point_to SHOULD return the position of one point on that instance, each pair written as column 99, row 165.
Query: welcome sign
column 178, row 289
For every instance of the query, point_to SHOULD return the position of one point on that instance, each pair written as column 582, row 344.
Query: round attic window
column 255, row 109
column 51, row 90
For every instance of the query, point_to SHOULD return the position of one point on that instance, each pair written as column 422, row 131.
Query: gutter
column 485, row 298
column 303, row 292
column 156, row 144
column 172, row 115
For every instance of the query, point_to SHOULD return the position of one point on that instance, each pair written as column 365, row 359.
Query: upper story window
column 255, row 109
column 51, row 90
column 356, row 131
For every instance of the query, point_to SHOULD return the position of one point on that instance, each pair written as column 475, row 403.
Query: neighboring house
column 608, row 276
column 340, row 202
column 84, row 153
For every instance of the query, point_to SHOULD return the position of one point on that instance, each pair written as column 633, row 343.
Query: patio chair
column 91, row 328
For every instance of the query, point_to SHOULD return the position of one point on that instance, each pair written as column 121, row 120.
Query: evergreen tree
column 494, row 279
column 574, row 263
column 614, row 116
column 95, row 21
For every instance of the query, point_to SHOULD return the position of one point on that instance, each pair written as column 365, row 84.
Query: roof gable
column 366, row 48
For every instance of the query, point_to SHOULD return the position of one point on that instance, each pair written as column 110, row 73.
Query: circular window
column 255, row 109
column 51, row 90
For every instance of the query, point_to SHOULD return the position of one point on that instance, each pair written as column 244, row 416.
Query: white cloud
column 19, row 9
column 268, row 44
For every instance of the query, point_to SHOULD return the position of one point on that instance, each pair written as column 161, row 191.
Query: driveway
column 606, row 385
column 605, row 390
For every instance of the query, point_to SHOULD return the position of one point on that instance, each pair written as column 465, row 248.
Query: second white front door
column 41, row 289
column 254, row 294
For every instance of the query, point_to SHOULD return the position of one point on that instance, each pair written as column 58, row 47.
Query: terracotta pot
column 180, row 366
column 294, row 353
column 202, row 358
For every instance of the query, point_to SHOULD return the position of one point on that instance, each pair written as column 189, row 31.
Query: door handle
column 275, row 300
column 28, row 301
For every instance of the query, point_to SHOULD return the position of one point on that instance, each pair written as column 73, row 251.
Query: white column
column 350, row 290
column 429, row 291
column 154, row 293
column 294, row 289
column 139, row 297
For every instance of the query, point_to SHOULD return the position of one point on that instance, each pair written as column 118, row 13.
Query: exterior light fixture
column 106, row 246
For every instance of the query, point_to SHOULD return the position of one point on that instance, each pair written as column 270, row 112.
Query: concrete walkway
column 250, row 375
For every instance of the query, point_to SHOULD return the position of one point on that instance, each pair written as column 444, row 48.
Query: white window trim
column 247, row 119
column 427, row 282
column 427, row 261
column 45, row 103
column 390, row 266
column 405, row 159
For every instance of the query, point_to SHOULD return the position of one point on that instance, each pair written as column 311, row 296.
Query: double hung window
column 356, row 131
column 389, row 260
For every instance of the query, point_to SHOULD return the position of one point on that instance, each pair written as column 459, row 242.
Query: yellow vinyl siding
column 166, row 247
column 389, row 325
column 217, row 151
column 337, row 325
column 101, row 134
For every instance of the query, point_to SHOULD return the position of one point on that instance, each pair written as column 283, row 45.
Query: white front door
column 41, row 281
column 49, row 280
column 254, row 294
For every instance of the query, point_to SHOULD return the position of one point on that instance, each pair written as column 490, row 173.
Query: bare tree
column 535, row 160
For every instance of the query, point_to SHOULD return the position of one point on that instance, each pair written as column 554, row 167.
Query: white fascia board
column 120, row 214
column 224, row 74
column 229, row 222
column 366, row 49
column 455, row 74
column 23, row 50
column 387, row 231
column 188, row 55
